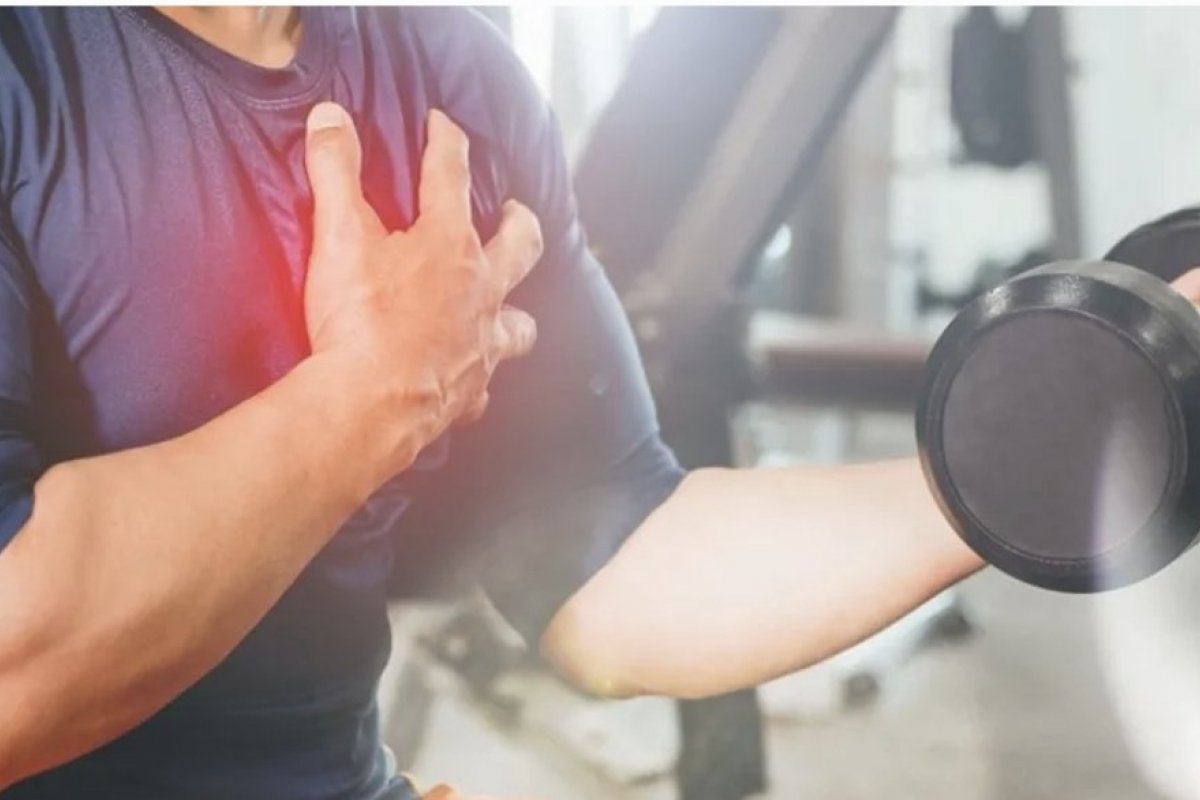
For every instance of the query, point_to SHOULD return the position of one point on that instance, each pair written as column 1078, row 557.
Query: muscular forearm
column 745, row 575
column 139, row 571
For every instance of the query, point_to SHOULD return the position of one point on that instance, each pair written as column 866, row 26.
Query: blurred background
column 792, row 203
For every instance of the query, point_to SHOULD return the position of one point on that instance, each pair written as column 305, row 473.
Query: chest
column 167, row 222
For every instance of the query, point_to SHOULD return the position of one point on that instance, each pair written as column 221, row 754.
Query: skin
column 444, row 792
column 266, row 36
column 740, row 576
column 139, row 571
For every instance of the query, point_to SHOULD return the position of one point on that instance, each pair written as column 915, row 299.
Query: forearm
column 139, row 571
column 745, row 575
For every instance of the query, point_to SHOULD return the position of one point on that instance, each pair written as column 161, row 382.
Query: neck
column 265, row 36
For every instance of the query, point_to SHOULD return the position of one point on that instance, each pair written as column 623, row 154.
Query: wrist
column 384, row 424
column 955, row 557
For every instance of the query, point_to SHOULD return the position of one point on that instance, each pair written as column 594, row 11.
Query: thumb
column 333, row 159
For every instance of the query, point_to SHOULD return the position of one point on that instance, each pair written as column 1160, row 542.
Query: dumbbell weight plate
column 1059, row 428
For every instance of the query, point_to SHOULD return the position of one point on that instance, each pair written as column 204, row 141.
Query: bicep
column 543, row 555
column 566, row 464
column 567, row 461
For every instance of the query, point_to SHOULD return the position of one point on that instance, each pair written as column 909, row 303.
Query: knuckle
column 529, row 328
column 481, row 403
column 525, row 342
column 396, row 246
column 527, row 230
column 489, row 357
column 537, row 243
column 528, row 220
column 423, row 227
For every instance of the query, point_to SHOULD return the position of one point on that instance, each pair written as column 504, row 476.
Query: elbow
column 607, row 660
column 580, row 655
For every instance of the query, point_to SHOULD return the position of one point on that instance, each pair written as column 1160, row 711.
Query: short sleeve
column 568, row 460
column 19, row 463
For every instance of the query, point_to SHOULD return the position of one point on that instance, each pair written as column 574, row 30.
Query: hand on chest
column 175, row 265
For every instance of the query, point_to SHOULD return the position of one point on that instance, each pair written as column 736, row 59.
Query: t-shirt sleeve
column 567, row 461
column 19, row 463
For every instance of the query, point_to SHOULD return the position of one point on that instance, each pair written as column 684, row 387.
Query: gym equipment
column 990, row 89
column 1059, row 423
column 675, row 247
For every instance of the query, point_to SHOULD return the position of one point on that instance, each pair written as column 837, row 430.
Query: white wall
column 948, row 218
column 1136, row 101
column 1137, row 107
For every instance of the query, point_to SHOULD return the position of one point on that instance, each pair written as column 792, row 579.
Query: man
column 200, row 390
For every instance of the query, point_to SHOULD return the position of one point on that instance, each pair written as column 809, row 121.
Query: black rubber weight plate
column 1055, row 426
column 1064, row 450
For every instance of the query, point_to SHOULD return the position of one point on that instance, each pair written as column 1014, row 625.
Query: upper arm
column 567, row 461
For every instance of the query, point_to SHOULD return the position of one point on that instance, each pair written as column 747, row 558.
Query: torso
column 158, row 191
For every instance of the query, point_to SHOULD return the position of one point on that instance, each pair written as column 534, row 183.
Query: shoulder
column 25, row 51
column 42, row 54
column 471, row 70
column 461, row 39
column 37, row 43
column 27, row 73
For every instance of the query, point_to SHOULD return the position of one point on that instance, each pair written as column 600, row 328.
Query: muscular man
column 237, row 324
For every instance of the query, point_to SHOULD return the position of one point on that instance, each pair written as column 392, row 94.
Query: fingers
column 445, row 188
column 445, row 194
column 516, row 247
column 515, row 334
column 475, row 411
column 333, row 159
column 1188, row 285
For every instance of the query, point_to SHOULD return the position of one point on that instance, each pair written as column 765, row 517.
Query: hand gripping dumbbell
column 1059, row 425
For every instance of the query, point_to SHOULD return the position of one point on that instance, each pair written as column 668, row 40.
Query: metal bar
column 1049, row 73
column 766, row 153
column 649, row 145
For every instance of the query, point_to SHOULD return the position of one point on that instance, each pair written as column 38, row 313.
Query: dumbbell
column 1059, row 425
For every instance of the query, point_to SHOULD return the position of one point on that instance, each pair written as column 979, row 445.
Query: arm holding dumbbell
column 745, row 575
column 139, row 571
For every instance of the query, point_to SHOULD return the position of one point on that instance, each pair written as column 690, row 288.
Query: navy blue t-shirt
column 154, row 232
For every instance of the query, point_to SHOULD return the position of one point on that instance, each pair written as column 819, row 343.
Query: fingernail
column 326, row 115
